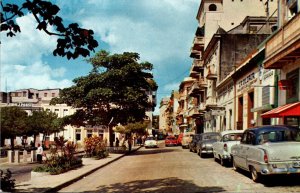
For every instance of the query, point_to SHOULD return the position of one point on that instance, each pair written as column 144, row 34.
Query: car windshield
column 232, row 137
column 279, row 136
column 211, row 137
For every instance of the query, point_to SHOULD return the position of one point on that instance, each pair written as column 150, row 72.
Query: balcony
column 201, row 107
column 195, row 53
column 284, row 46
column 211, row 74
column 194, row 74
column 202, row 83
column 211, row 102
column 197, row 65
column 195, row 89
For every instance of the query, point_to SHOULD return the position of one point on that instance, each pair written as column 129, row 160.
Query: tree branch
column 7, row 19
column 45, row 30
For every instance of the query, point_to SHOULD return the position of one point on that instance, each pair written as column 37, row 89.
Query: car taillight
column 225, row 147
column 266, row 159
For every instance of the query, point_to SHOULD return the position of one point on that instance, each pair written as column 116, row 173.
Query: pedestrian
column 117, row 142
column 39, row 153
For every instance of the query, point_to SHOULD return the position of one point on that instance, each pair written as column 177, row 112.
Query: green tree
column 44, row 122
column 137, row 127
column 113, row 92
column 13, row 123
column 73, row 42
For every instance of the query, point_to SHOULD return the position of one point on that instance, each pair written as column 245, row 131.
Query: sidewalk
column 53, row 183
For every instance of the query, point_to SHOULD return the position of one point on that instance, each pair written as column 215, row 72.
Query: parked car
column 204, row 145
column 222, row 148
column 170, row 141
column 268, row 150
column 186, row 139
column 179, row 139
column 150, row 142
column 193, row 143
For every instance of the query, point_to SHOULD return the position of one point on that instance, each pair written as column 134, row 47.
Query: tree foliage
column 137, row 127
column 116, row 87
column 73, row 42
column 45, row 122
column 13, row 123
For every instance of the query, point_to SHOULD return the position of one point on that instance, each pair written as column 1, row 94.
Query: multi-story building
column 283, row 54
column 182, row 115
column 164, row 115
column 172, row 108
column 219, row 45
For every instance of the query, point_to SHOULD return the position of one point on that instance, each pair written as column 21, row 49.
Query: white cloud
column 37, row 76
column 22, row 64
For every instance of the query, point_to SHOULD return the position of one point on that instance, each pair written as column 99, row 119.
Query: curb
column 65, row 184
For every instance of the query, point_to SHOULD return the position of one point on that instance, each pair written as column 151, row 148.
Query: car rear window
column 279, row 136
column 232, row 137
column 209, row 137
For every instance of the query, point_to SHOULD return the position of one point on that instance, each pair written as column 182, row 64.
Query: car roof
column 266, row 128
column 231, row 131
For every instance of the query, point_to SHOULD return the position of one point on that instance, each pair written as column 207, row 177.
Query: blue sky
column 161, row 31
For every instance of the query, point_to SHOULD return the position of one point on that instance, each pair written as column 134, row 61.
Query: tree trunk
column 12, row 143
column 34, row 139
column 111, row 143
column 2, row 141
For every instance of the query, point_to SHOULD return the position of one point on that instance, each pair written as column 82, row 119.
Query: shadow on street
column 153, row 151
column 158, row 185
column 276, row 180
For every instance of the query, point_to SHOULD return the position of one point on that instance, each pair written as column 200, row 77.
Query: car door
column 238, row 150
column 246, row 149
column 218, row 147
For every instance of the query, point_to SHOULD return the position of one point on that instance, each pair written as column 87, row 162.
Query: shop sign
column 218, row 112
column 246, row 82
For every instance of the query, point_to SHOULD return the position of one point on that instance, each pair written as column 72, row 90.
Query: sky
column 161, row 31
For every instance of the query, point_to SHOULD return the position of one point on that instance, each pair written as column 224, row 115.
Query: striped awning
column 292, row 110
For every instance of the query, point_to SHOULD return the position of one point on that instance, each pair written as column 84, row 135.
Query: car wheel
column 215, row 158
column 222, row 162
column 200, row 153
column 256, row 176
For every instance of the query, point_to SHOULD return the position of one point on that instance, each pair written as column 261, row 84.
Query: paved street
column 174, row 169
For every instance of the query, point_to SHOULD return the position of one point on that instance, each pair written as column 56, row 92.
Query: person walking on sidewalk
column 39, row 153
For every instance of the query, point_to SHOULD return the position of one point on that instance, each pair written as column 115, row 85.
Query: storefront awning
column 292, row 110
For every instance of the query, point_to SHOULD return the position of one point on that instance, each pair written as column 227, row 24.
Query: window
column 78, row 134
column 212, row 7
column 101, row 133
column 45, row 94
column 53, row 94
column 24, row 94
column 89, row 133
column 293, row 87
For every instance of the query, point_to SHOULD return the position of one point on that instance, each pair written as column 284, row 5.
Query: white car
column 222, row 148
column 150, row 142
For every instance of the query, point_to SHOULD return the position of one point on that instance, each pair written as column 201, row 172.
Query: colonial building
column 164, row 115
column 283, row 54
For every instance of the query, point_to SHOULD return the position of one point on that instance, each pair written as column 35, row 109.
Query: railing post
column 10, row 155
column 25, row 156
column 17, row 157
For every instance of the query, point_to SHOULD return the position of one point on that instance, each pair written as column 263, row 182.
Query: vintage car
column 186, row 139
column 268, row 150
column 222, row 148
column 150, row 142
column 204, row 145
column 170, row 141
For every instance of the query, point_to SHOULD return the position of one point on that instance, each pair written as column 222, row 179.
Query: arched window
column 212, row 7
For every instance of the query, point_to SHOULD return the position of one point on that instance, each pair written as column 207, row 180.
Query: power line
column 164, row 84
